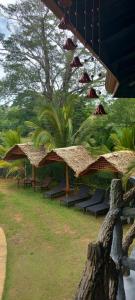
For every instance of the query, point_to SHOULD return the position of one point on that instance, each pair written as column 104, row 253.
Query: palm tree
column 94, row 136
column 9, row 139
column 124, row 139
column 54, row 127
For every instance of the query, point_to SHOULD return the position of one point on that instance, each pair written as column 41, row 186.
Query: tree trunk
column 129, row 196
column 100, row 276
column 128, row 240
column 67, row 180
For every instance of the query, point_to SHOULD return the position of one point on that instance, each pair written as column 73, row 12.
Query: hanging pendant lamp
column 100, row 110
column 65, row 3
column 76, row 63
column 92, row 94
column 69, row 45
column 92, row 77
column 64, row 23
column 100, row 75
column 85, row 78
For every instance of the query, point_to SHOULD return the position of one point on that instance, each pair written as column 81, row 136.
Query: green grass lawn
column 47, row 244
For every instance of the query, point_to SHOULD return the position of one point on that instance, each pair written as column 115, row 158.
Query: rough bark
column 116, row 194
column 116, row 249
column 105, row 234
column 68, row 71
column 100, row 276
column 128, row 240
column 46, row 65
column 129, row 196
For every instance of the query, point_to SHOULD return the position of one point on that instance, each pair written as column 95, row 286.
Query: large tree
column 33, row 56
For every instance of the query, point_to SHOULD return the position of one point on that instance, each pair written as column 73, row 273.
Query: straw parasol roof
column 116, row 162
column 76, row 157
column 28, row 151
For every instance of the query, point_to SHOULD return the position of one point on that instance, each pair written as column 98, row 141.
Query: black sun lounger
column 56, row 191
column 43, row 185
column 82, row 194
column 97, row 198
column 99, row 209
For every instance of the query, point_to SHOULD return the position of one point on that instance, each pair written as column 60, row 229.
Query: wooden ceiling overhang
column 50, row 158
column 117, row 38
column 100, row 165
column 15, row 154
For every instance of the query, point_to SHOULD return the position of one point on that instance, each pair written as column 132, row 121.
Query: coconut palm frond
column 4, row 164
column 32, row 125
column 130, row 172
column 2, row 151
column 44, row 138
column 124, row 139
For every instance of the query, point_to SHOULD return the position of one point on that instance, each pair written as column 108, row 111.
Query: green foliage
column 34, row 59
column 15, row 168
column 9, row 139
column 40, row 233
column 124, row 138
column 43, row 92
column 94, row 135
column 57, row 131
column 122, row 112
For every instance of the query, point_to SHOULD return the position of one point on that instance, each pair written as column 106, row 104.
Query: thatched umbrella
column 21, row 151
column 75, row 157
column 116, row 162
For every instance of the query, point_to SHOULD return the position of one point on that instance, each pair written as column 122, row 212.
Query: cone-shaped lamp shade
column 76, row 63
column 64, row 23
column 100, row 110
column 92, row 94
column 69, row 45
column 85, row 78
column 65, row 3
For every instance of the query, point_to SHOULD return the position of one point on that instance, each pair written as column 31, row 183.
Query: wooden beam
column 33, row 173
column 100, row 271
column 129, row 196
column 128, row 240
column 128, row 212
column 116, row 250
column 67, row 180
column 51, row 4
column 128, row 263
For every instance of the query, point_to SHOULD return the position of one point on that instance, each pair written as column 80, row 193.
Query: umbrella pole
column 67, row 180
column 25, row 168
column 33, row 174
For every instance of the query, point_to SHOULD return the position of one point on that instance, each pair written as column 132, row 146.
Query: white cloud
column 3, row 27
column 6, row 2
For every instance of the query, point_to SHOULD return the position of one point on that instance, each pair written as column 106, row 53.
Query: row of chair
column 96, row 204
column 82, row 198
column 36, row 184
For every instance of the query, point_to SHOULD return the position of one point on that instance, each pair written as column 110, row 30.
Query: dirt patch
column 18, row 218
column 50, row 248
column 85, row 241
column 6, row 191
column 66, row 230
column 6, row 186
column 17, row 239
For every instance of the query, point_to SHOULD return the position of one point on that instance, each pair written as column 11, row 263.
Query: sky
column 3, row 28
column 5, row 2
column 3, row 25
